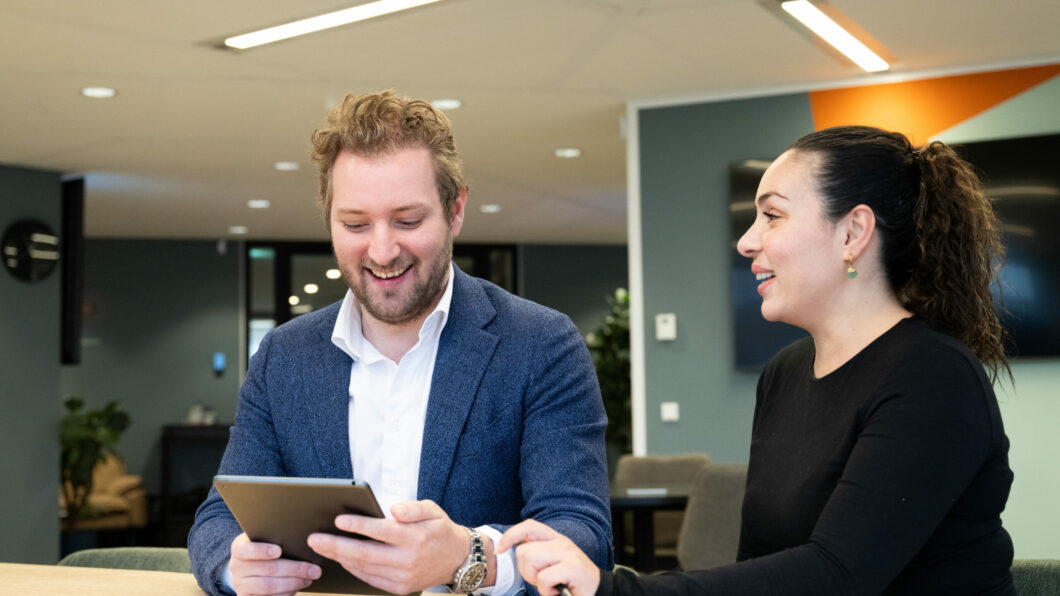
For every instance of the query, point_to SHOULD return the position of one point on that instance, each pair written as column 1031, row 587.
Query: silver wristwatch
column 471, row 574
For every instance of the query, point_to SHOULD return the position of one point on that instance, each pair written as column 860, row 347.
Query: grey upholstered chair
column 132, row 557
column 674, row 473
column 710, row 533
column 1036, row 577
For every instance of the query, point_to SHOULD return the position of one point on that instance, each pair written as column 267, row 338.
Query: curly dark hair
column 940, row 239
column 379, row 123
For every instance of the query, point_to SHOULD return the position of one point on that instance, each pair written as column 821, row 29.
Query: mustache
column 395, row 265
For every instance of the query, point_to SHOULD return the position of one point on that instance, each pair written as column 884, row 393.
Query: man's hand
column 258, row 569
column 548, row 559
column 421, row 547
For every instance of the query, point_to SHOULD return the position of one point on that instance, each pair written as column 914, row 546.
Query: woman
column 878, row 460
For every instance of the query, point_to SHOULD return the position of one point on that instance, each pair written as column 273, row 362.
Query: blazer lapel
column 326, row 394
column 464, row 351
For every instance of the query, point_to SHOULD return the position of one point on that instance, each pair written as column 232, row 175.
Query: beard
column 401, row 305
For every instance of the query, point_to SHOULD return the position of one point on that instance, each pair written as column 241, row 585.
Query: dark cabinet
column 190, row 458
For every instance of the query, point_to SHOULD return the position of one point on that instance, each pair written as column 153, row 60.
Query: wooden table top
column 46, row 580
column 18, row 579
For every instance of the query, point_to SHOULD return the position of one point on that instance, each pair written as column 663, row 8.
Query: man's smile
column 383, row 274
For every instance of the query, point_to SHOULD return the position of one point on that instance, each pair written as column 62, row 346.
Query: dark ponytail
column 940, row 239
column 960, row 252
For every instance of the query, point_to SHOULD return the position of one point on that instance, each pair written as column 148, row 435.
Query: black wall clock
column 30, row 249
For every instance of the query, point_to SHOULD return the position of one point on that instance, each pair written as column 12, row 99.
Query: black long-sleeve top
column 886, row 476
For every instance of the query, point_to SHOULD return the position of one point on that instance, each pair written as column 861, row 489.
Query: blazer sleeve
column 252, row 450
column 563, row 459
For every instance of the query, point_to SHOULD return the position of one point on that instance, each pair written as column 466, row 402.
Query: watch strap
column 471, row 574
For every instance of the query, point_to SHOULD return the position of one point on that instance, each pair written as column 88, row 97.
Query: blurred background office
column 608, row 143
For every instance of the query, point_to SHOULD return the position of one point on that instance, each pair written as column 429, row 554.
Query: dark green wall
column 574, row 279
column 685, row 153
column 158, row 310
column 29, row 383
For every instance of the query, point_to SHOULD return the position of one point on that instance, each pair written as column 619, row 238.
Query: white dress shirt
column 387, row 410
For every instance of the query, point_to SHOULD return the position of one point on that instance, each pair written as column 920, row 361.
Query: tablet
column 285, row 511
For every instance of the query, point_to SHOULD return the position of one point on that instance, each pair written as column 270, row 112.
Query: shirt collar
column 347, row 335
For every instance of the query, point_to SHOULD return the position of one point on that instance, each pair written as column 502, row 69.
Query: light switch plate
column 670, row 411
column 665, row 326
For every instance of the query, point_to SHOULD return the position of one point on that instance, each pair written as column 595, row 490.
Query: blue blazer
column 514, row 427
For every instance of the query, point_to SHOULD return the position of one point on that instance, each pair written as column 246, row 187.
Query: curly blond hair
column 376, row 124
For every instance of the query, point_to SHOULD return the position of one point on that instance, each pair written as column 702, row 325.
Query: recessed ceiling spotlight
column 311, row 288
column 286, row 166
column 237, row 230
column 293, row 300
column 333, row 274
column 568, row 153
column 447, row 104
column 490, row 208
column 258, row 203
column 98, row 92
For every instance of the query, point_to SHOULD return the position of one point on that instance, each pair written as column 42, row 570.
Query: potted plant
column 609, row 346
column 86, row 438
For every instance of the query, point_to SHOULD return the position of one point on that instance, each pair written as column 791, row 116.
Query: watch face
column 472, row 577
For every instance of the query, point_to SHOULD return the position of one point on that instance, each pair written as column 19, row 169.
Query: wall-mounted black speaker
column 72, row 261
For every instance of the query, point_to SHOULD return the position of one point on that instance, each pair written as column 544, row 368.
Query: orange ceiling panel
column 923, row 108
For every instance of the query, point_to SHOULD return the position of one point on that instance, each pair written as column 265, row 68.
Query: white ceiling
column 194, row 130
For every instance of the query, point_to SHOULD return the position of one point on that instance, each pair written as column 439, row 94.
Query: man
column 465, row 408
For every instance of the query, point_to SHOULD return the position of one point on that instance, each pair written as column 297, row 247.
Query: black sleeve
column 922, row 442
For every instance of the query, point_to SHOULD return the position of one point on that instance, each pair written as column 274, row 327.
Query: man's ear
column 457, row 220
column 859, row 227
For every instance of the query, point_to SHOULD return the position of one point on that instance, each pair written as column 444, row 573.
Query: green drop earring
column 851, row 272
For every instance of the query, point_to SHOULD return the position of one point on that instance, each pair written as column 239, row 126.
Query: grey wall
column 574, row 279
column 29, row 383
column 685, row 154
column 158, row 310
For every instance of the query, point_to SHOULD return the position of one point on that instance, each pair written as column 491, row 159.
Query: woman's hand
column 548, row 559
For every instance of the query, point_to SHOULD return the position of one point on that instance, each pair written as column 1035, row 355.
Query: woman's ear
column 859, row 226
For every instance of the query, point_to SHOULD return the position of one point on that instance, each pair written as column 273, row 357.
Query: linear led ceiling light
column 830, row 31
column 321, row 22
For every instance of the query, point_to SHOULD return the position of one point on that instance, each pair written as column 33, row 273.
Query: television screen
column 1022, row 177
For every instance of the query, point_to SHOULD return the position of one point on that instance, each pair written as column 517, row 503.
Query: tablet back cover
column 285, row 511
